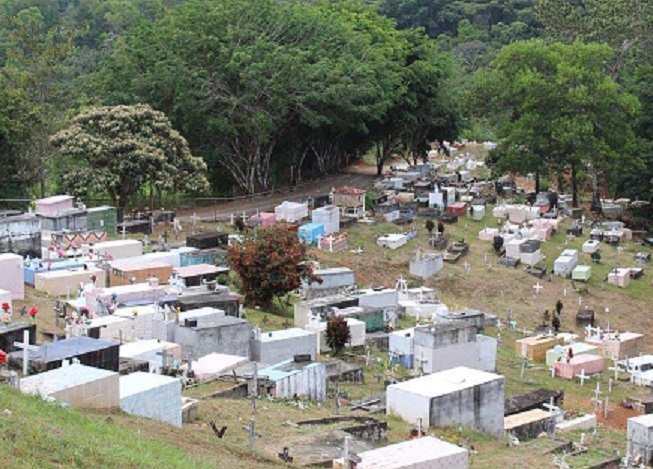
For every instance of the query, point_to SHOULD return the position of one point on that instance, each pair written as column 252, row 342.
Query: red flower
column 33, row 311
column 5, row 306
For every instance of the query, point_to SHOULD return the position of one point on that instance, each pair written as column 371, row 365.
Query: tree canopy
column 556, row 107
column 261, row 91
column 118, row 150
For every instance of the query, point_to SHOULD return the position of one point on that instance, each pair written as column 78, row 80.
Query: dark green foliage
column 337, row 334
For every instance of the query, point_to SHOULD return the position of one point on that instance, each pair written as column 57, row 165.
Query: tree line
column 252, row 97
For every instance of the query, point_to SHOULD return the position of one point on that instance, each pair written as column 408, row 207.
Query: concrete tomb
column 119, row 249
column 196, row 275
column 91, row 352
column 640, row 438
column 14, row 332
column 458, row 396
column 213, row 365
column 65, row 282
column 292, row 378
column 281, row 345
column 334, row 280
column 11, row 275
column 158, row 354
column 76, row 385
column 20, row 234
column 534, row 348
column 581, row 364
column 152, row 396
column 419, row 453
column 530, row 424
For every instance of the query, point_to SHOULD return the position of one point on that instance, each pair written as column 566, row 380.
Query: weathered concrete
column 20, row 234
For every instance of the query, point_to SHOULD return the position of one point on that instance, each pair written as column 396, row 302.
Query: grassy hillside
column 39, row 434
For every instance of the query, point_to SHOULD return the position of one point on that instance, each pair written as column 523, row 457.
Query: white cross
column 597, row 391
column 551, row 407
column 564, row 292
column 524, row 362
column 610, row 382
column 538, row 288
column 605, row 408
column 124, row 231
column 580, row 300
column 582, row 377
column 26, row 347
column 553, row 371
column 467, row 268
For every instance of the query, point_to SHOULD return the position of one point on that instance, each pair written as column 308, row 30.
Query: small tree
column 270, row 263
column 559, row 307
column 337, row 334
column 121, row 149
column 430, row 226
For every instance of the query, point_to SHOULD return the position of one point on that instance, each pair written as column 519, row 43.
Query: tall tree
column 121, row 149
column 557, row 108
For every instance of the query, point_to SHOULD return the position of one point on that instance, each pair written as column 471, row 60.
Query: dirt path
column 222, row 211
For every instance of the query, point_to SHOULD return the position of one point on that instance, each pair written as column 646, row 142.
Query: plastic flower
column 33, row 311
column 5, row 307
column 6, row 318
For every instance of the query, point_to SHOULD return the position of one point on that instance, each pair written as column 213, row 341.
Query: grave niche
column 13, row 332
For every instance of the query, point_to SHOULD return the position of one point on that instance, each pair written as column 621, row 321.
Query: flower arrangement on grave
column 6, row 313
column 33, row 311
column 93, row 278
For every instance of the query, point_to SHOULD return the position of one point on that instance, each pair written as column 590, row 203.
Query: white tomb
column 213, row 365
column 640, row 438
column 119, row 249
column 619, row 277
column 11, row 275
column 591, row 246
column 152, row 396
column 152, row 351
column 328, row 216
column 392, row 241
column 77, row 385
column 419, row 453
column 456, row 397
column 565, row 263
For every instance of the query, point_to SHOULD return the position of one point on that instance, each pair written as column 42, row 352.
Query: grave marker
column 538, row 288
column 582, row 377
column 250, row 428
column 26, row 347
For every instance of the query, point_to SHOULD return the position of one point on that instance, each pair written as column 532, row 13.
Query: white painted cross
column 580, row 301
column 610, row 382
column 553, row 371
column 26, row 347
column 347, row 456
column 597, row 392
column 551, row 407
column 564, row 292
column 524, row 362
column 538, row 288
column 124, row 231
column 605, row 408
column 582, row 377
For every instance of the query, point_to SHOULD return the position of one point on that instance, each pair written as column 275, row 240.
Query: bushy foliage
column 337, row 334
column 270, row 263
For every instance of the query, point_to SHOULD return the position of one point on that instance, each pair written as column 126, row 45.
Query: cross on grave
column 468, row 268
column 582, row 377
column 597, row 392
column 26, row 347
column 164, row 357
column 524, row 362
column 367, row 357
column 597, row 405
column 605, row 408
column 564, row 292
column 553, row 371
column 124, row 232
column 285, row 455
column 538, row 288
column 525, row 332
column 610, row 383
column 551, row 407
column 348, row 456
column 250, row 428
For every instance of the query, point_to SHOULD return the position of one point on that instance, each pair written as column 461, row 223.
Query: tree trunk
column 574, row 186
column 537, row 182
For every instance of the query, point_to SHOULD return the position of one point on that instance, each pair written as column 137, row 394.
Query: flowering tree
column 270, row 263
column 121, row 149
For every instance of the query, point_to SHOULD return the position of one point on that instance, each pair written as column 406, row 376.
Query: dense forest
column 277, row 92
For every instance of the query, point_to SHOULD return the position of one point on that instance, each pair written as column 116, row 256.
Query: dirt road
column 221, row 211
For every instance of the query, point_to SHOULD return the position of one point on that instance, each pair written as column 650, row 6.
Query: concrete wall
column 410, row 407
column 161, row 402
column 230, row 339
column 11, row 275
column 640, row 438
column 443, row 358
column 102, row 393
column 479, row 408
column 333, row 281
column 444, row 335
column 275, row 351
column 21, row 235
column 486, row 348
column 388, row 298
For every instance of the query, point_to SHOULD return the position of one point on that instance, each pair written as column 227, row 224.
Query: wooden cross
column 605, row 408
column 348, row 456
column 597, row 392
column 582, row 377
column 250, row 428
column 26, row 347
column 538, row 288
